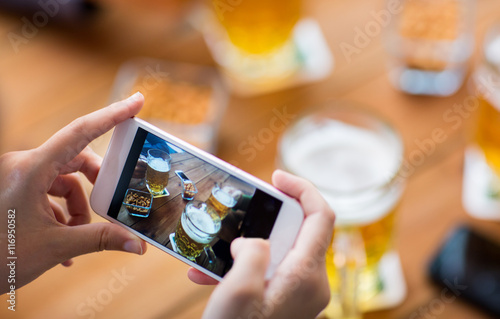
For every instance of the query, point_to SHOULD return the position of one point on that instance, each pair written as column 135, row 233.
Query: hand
column 299, row 288
column 45, row 233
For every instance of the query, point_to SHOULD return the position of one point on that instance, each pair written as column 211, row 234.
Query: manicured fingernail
column 133, row 246
column 137, row 95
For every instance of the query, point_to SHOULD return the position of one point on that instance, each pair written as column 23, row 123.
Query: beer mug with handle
column 354, row 159
column 198, row 226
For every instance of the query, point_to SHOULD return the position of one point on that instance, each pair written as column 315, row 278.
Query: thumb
column 242, row 289
column 251, row 258
column 83, row 239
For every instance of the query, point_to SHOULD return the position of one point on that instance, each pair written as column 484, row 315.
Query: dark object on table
column 468, row 265
column 42, row 12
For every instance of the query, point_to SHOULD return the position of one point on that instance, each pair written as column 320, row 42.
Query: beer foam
column 342, row 160
column 224, row 198
column 159, row 165
column 203, row 224
column 492, row 51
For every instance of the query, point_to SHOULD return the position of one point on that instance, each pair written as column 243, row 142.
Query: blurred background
column 415, row 65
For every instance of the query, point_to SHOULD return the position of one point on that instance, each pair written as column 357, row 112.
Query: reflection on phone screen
column 188, row 205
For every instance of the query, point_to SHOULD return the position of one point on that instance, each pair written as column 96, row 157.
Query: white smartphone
column 187, row 202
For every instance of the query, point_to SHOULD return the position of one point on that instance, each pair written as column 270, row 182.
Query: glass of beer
column 354, row 160
column 197, row 227
column 254, row 40
column 487, row 133
column 157, row 172
column 481, row 186
column 223, row 199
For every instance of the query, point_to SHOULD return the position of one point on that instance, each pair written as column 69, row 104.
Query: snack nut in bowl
column 138, row 203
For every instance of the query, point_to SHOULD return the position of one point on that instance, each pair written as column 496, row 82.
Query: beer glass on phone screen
column 157, row 172
column 223, row 199
column 354, row 159
column 197, row 227
column 255, row 38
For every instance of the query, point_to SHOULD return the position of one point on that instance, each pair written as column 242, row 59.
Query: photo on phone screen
column 188, row 205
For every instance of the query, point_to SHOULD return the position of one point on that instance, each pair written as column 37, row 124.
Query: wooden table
column 165, row 213
column 62, row 73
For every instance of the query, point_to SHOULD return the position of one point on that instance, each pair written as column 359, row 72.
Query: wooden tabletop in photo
column 65, row 71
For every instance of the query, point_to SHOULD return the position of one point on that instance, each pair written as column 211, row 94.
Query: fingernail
column 133, row 246
column 137, row 95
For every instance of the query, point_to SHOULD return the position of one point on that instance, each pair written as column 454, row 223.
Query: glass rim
column 161, row 151
column 195, row 202
column 353, row 108
column 492, row 33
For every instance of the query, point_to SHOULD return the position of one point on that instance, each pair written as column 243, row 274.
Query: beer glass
column 157, row 172
column 223, row 199
column 481, row 186
column 430, row 42
column 197, row 227
column 254, row 39
column 487, row 134
column 353, row 158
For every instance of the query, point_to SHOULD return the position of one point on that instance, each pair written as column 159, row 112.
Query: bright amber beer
column 222, row 200
column 354, row 160
column 487, row 80
column 488, row 133
column 157, row 171
column 258, row 26
column 198, row 226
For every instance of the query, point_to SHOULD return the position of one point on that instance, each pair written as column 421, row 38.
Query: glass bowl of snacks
column 138, row 203
column 189, row 189
column 185, row 100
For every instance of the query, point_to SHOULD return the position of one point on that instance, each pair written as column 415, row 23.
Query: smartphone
column 187, row 202
column 468, row 265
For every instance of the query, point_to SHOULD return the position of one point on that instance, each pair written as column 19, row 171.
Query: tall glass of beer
column 354, row 159
column 254, row 38
column 481, row 185
column 197, row 227
column 487, row 133
column 157, row 172
column 223, row 199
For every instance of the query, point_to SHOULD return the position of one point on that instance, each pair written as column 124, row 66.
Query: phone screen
column 188, row 205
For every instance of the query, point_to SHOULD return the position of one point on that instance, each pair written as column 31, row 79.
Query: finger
column 82, row 239
column 302, row 190
column 320, row 218
column 87, row 162
column 242, row 290
column 251, row 258
column 58, row 211
column 200, row 278
column 67, row 143
column 91, row 165
column 71, row 189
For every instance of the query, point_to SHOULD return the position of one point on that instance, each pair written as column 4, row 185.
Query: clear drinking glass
column 223, row 199
column 197, row 227
column 429, row 44
column 157, row 172
column 253, row 40
column 481, row 186
column 354, row 159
